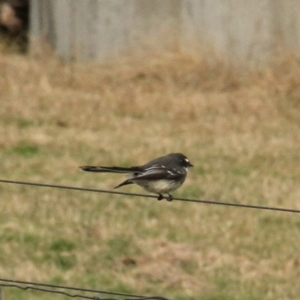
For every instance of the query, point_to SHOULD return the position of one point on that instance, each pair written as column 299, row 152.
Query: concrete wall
column 239, row 29
column 96, row 29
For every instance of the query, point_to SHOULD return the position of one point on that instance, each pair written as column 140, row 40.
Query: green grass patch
column 25, row 150
column 64, row 262
column 62, row 245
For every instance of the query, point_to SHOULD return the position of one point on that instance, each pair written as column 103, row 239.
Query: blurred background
column 98, row 82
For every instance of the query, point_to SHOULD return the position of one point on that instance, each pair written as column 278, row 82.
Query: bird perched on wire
column 161, row 175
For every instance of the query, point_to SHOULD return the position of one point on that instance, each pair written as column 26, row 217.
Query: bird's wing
column 157, row 173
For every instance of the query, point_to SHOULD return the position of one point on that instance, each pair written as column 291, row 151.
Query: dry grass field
column 239, row 127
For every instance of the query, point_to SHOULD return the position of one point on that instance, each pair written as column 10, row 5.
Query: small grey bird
column 161, row 175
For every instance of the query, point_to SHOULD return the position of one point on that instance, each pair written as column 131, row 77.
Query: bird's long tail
column 100, row 169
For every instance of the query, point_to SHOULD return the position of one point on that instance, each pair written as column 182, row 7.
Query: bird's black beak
column 190, row 165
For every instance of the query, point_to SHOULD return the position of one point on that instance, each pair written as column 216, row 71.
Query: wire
column 151, row 196
column 26, row 285
column 66, row 287
column 48, row 291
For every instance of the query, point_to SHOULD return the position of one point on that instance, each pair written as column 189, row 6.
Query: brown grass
column 239, row 127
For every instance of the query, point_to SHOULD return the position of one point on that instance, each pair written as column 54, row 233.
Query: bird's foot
column 161, row 197
column 170, row 198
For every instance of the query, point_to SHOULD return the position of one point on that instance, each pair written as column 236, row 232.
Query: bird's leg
column 160, row 197
column 170, row 198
